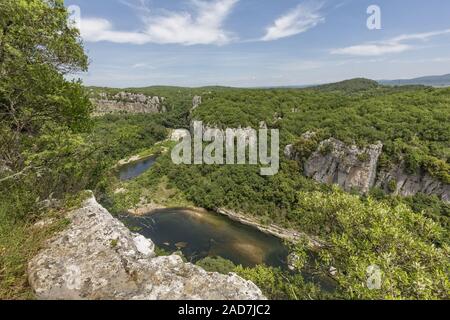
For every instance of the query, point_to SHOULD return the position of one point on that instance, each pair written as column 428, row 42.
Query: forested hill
column 350, row 86
column 412, row 122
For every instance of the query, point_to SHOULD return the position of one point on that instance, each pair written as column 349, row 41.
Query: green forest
column 52, row 150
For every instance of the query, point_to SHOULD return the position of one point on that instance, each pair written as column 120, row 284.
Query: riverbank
column 160, row 147
column 145, row 209
column 289, row 235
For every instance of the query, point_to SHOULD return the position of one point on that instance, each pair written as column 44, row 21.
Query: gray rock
column 97, row 257
column 412, row 184
column 178, row 134
column 355, row 168
column 348, row 166
column 128, row 103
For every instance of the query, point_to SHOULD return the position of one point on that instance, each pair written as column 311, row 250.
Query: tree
column 38, row 50
column 410, row 250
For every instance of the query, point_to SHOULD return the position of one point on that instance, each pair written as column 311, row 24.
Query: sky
column 259, row 43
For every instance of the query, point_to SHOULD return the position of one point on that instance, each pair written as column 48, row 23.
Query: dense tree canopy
column 37, row 50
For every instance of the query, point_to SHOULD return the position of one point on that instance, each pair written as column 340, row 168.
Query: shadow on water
column 135, row 169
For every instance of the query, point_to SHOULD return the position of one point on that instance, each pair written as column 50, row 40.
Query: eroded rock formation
column 97, row 257
column 355, row 168
column 348, row 166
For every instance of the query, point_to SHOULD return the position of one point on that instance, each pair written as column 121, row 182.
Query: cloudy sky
column 248, row 43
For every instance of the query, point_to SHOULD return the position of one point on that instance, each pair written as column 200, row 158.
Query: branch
column 18, row 174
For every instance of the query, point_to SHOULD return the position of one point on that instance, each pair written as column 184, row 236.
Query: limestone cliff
column 355, row 168
column 350, row 167
column 126, row 102
column 397, row 181
column 97, row 257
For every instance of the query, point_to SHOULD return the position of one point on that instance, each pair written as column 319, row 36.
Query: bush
column 217, row 264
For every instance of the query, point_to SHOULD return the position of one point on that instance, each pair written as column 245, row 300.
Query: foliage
column 216, row 264
column 413, row 123
column 279, row 285
column 121, row 136
column 410, row 249
column 42, row 120
column 37, row 50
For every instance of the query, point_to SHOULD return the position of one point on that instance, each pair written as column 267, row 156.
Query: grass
column 21, row 240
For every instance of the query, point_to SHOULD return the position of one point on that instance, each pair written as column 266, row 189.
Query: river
column 200, row 233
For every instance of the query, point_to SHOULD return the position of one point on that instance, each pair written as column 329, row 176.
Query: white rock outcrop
column 355, row 168
column 97, row 257
column 127, row 102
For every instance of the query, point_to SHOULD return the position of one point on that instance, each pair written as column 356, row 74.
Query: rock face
column 401, row 183
column 128, row 103
column 97, row 257
column 354, row 168
column 348, row 166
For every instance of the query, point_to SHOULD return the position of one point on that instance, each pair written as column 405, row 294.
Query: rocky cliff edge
column 97, row 257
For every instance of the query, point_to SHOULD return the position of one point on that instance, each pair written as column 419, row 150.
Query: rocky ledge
column 97, row 257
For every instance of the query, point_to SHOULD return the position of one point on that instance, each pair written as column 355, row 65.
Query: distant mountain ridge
column 434, row 81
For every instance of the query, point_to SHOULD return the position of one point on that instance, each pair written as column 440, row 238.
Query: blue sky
column 247, row 43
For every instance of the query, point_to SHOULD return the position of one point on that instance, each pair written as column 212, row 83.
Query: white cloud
column 203, row 26
column 97, row 29
column 394, row 45
column 373, row 49
column 300, row 19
